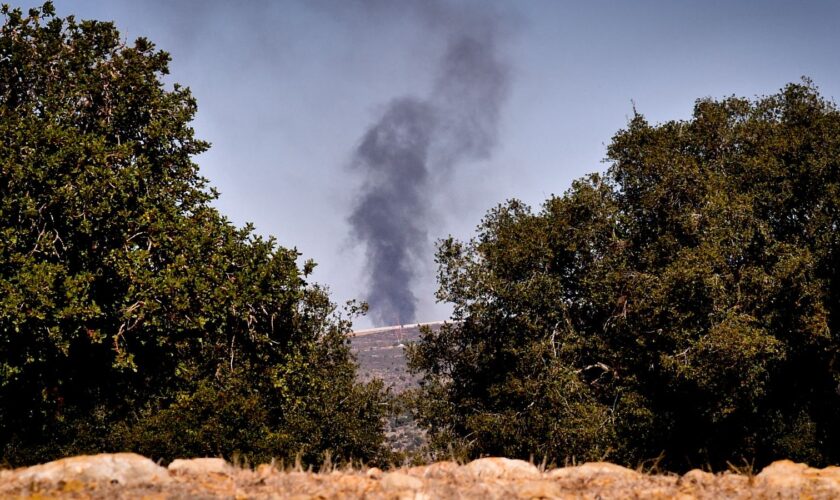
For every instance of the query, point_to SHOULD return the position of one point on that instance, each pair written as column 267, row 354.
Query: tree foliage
column 132, row 314
column 686, row 302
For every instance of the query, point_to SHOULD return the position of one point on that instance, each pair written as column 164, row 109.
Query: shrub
column 132, row 314
column 685, row 302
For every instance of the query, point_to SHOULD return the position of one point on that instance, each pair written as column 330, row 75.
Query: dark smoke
column 402, row 154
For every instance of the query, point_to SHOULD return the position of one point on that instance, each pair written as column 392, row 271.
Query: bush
column 685, row 303
column 133, row 316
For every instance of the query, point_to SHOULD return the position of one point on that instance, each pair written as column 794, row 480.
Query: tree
column 685, row 303
column 132, row 314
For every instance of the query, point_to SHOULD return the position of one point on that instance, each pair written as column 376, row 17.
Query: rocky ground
column 127, row 475
column 381, row 354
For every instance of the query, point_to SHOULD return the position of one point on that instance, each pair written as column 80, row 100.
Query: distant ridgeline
column 413, row 327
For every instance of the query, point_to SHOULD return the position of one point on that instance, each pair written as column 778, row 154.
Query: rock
column 832, row 472
column 265, row 470
column 503, row 468
column 127, row 469
column 435, row 470
column 782, row 468
column 538, row 489
column 784, row 475
column 594, row 470
column 418, row 495
column 401, row 481
column 789, row 478
column 200, row 466
column 131, row 476
column 351, row 483
column 697, row 476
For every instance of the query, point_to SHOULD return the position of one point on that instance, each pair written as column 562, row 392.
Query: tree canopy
column 682, row 305
column 132, row 314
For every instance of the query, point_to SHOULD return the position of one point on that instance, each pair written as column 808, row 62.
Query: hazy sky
column 286, row 89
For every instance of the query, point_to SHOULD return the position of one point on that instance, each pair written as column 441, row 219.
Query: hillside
column 380, row 354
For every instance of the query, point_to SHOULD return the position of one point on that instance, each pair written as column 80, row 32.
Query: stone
column 353, row 483
column 594, row 469
column 131, row 476
column 538, row 489
column 782, row 468
column 697, row 476
column 831, row 471
column 265, row 470
column 783, row 475
column 127, row 469
column 400, row 481
column 200, row 466
column 502, row 468
column 435, row 470
column 789, row 478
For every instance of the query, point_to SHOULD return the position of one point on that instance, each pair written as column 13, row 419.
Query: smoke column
column 403, row 153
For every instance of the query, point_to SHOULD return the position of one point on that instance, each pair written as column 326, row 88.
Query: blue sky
column 286, row 89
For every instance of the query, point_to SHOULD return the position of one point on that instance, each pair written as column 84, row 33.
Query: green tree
column 684, row 303
column 132, row 314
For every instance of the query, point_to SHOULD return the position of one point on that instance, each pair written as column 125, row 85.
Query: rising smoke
column 416, row 140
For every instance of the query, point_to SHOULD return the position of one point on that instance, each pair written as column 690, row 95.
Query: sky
column 286, row 91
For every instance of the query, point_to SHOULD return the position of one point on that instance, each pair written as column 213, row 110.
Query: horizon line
column 368, row 331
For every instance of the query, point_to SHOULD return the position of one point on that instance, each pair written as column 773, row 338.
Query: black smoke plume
column 406, row 150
